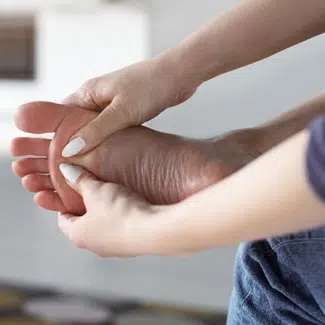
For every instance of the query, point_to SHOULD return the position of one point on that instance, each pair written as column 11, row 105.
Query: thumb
column 80, row 180
column 111, row 120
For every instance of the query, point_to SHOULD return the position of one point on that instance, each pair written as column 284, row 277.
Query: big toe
column 45, row 117
column 39, row 117
column 72, row 121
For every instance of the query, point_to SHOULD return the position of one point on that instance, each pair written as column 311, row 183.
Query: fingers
column 93, row 95
column 65, row 223
column 110, row 209
column 74, row 228
column 83, row 233
column 80, row 180
column 111, row 120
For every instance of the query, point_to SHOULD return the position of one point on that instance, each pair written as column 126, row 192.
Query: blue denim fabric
column 280, row 281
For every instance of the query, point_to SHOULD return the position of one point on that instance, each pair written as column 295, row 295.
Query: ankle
column 239, row 147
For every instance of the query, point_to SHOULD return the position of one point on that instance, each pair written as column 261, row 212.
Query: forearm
column 251, row 31
column 271, row 196
column 289, row 123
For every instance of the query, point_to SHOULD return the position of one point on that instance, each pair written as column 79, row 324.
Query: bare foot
column 163, row 168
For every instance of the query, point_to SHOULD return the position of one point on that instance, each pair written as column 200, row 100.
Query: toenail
column 73, row 147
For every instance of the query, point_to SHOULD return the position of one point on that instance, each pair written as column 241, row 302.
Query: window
column 17, row 47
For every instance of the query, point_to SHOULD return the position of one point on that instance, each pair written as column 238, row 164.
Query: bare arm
column 251, row 31
column 271, row 196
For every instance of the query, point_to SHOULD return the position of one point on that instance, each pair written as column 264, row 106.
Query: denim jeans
column 280, row 281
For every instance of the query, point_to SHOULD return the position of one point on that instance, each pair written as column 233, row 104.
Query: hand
column 111, row 225
column 128, row 97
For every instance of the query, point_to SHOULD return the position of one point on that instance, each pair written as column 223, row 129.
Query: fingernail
column 70, row 173
column 73, row 147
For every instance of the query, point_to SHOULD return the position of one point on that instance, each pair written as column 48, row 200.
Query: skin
column 182, row 69
column 232, row 151
column 245, row 34
column 163, row 168
column 206, row 161
column 290, row 122
column 254, row 203
column 250, row 31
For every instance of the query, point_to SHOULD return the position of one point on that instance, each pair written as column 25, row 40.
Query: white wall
column 77, row 47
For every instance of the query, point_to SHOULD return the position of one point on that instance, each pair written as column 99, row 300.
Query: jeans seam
column 296, row 241
column 273, row 249
column 245, row 301
column 246, row 298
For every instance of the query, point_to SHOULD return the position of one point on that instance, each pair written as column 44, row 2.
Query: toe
column 40, row 117
column 30, row 147
column 49, row 200
column 28, row 166
column 36, row 183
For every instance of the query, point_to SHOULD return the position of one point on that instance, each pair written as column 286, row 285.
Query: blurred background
column 48, row 48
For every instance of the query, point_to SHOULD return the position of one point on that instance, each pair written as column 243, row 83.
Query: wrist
column 173, row 64
column 161, row 233
column 143, row 233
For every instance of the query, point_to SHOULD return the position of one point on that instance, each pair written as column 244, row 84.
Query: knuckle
column 89, row 85
column 79, row 244
column 120, row 108
column 117, row 108
column 78, row 240
column 91, row 192
column 114, row 112
column 86, row 93
column 78, row 235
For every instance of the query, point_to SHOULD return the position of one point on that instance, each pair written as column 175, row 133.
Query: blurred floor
column 21, row 305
